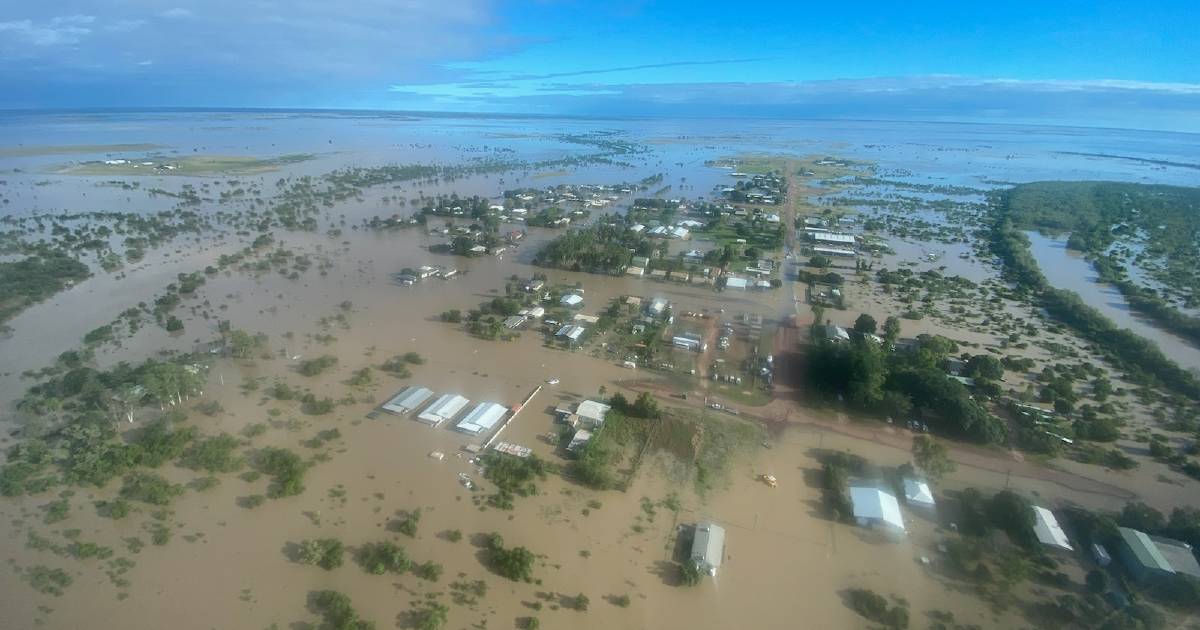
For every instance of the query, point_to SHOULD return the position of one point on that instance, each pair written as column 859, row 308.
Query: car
column 552, row 381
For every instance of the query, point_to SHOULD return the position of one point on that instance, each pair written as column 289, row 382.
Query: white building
column 570, row 333
column 444, row 408
column 918, row 494
column 571, row 299
column 833, row 238
column 708, row 547
column 482, row 418
column 407, row 400
column 1048, row 531
column 592, row 413
column 579, row 440
column 735, row 283
column 874, row 507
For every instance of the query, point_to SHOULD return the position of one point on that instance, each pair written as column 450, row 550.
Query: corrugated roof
column 592, row 410
column 917, row 492
column 408, row 399
column 484, row 416
column 444, row 408
column 1145, row 550
column 708, row 546
column 1047, row 529
column 872, row 503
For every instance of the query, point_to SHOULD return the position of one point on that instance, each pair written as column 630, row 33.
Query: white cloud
column 177, row 13
column 57, row 31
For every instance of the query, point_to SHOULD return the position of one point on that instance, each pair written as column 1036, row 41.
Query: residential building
column 1048, row 531
column 917, row 494
column 875, row 507
column 708, row 547
column 592, row 413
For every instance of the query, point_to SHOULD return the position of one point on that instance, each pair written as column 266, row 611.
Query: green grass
column 188, row 165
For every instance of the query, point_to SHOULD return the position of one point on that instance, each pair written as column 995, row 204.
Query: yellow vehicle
column 770, row 480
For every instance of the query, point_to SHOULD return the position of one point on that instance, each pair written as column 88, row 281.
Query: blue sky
column 1089, row 63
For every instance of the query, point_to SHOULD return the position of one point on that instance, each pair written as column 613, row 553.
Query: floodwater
column 1066, row 269
column 229, row 567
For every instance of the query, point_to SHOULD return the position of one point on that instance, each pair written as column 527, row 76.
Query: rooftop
column 1145, row 550
column 484, row 416
column 408, row 399
column 444, row 408
column 875, row 504
column 708, row 547
column 917, row 492
column 1047, row 529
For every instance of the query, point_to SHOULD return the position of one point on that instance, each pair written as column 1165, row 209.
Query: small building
column 835, row 251
column 875, row 507
column 570, row 333
column 514, row 322
column 635, row 271
column 733, row 282
column 1141, row 556
column 917, row 494
column 657, row 306
column 836, row 333
column 659, row 274
column 637, row 228
column 834, row 238
column 708, row 547
column 592, row 413
column 579, row 440
column 689, row 341
column 571, row 300
column 444, row 408
column 640, row 261
column 536, row 312
column 586, row 319
column 407, row 400
column 534, row 285
column 482, row 418
column 1048, row 531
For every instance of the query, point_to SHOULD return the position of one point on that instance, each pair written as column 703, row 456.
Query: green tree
column 891, row 329
column 932, row 457
column 865, row 324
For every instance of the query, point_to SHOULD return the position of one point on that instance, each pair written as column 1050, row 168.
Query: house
column 1149, row 558
column 677, row 232
column 483, row 417
column 579, row 440
column 586, row 319
column 637, row 228
column 835, row 251
column 592, row 413
column 514, row 322
column 835, row 333
column 571, row 300
column 536, row 312
column 657, row 306
column 571, row 333
column 917, row 494
column 444, row 408
column 693, row 256
column 689, row 341
column 832, row 238
column 659, row 274
column 407, row 400
column 635, row 271
column 534, row 285
column 1048, row 531
column 732, row 282
column 875, row 507
column 708, row 547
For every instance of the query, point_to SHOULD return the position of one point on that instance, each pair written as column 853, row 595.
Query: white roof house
column 735, row 283
column 407, row 400
column 592, row 412
column 571, row 299
column 537, row 312
column 572, row 333
column 581, row 437
column 1048, row 531
column 917, row 493
column 708, row 547
column 833, row 237
column 836, row 333
column 484, row 416
column 637, row 227
column 444, row 408
column 874, row 506
column 634, row 271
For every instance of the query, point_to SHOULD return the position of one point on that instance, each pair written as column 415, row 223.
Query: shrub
column 323, row 552
column 382, row 557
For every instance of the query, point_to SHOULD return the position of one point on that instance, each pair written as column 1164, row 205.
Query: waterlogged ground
column 231, row 566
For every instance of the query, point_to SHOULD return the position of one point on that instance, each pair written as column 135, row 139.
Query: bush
column 515, row 564
column 213, row 454
column 431, row 571
column 382, row 557
column 287, row 469
column 874, row 607
column 323, row 552
column 690, row 574
column 1097, row 581
column 580, row 602
column 408, row 525
column 337, row 612
column 149, row 488
column 313, row 367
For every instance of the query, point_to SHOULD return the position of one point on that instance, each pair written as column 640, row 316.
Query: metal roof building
column 874, row 506
column 708, row 547
column 484, row 416
column 735, row 283
column 1141, row 556
column 444, row 408
column 833, row 237
column 592, row 412
column 571, row 299
column 917, row 493
column 1048, row 531
column 407, row 400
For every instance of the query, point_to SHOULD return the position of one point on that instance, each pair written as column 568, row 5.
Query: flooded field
column 231, row 560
